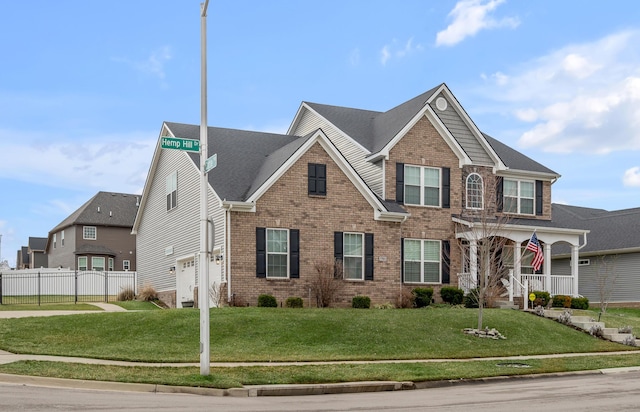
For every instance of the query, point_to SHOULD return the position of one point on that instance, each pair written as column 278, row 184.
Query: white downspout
column 227, row 251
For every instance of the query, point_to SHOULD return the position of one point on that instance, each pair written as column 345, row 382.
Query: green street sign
column 211, row 162
column 189, row 145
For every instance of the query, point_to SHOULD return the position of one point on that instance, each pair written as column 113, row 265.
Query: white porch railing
column 560, row 285
column 466, row 282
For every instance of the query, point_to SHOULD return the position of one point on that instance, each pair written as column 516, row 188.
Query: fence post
column 106, row 286
column 39, row 290
column 75, row 286
column 0, row 288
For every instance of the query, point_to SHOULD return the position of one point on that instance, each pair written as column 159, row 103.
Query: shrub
column 267, row 301
column 422, row 297
column 148, row 294
column 597, row 331
column 580, row 303
column 326, row 282
column 539, row 310
column 625, row 329
column 630, row 341
column 361, row 302
column 561, row 301
column 542, row 298
column 452, row 295
column 294, row 302
column 405, row 299
column 386, row 305
column 565, row 317
column 126, row 294
column 471, row 299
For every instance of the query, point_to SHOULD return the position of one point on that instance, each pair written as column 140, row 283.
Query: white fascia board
column 499, row 165
column 394, row 217
column 596, row 253
column 336, row 156
column 150, row 175
column 296, row 118
column 527, row 174
column 238, row 206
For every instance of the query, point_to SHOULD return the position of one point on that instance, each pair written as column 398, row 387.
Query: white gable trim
column 380, row 211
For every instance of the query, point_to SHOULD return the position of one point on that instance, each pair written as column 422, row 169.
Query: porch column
column 574, row 268
column 546, row 266
column 473, row 261
column 517, row 270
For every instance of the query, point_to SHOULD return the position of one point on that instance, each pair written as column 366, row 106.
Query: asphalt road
column 615, row 391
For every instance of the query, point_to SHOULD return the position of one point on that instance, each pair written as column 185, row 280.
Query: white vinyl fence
column 36, row 286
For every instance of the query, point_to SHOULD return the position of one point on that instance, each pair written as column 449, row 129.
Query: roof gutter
column 238, row 206
column 394, row 217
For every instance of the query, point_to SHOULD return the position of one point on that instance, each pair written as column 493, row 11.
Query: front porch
column 498, row 251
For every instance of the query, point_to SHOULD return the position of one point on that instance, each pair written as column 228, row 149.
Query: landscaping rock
column 484, row 333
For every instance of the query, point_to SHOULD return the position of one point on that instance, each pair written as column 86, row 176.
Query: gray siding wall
column 177, row 229
column 62, row 256
column 625, row 275
column 461, row 132
column 370, row 173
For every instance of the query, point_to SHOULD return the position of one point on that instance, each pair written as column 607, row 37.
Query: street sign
column 211, row 162
column 189, row 145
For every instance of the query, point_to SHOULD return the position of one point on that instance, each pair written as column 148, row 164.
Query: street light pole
column 203, row 287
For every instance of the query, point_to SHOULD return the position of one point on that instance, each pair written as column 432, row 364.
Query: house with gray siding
column 609, row 262
column 389, row 196
column 97, row 236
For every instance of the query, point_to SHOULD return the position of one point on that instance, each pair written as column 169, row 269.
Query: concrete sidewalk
column 106, row 307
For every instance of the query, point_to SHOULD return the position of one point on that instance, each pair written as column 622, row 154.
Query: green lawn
column 278, row 334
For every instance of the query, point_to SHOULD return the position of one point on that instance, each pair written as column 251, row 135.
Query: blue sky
column 86, row 85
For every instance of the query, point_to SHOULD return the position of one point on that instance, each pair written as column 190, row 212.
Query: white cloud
column 153, row 65
column 354, row 57
column 469, row 17
column 581, row 98
column 631, row 177
column 399, row 51
column 103, row 162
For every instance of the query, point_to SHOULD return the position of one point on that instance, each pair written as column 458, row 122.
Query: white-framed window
column 82, row 263
column 422, row 261
column 55, row 240
column 422, row 186
column 584, row 262
column 475, row 191
column 353, row 256
column 97, row 263
column 126, row 265
column 518, row 196
column 172, row 190
column 62, row 238
column 111, row 262
column 89, row 233
column 277, row 253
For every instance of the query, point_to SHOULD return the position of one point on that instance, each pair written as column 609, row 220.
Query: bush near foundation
column 452, row 295
column 267, row 301
column 561, row 301
column 294, row 302
column 580, row 303
column 361, row 302
column 423, row 297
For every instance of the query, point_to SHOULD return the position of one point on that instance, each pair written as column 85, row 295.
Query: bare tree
column 215, row 294
column 326, row 282
column 606, row 277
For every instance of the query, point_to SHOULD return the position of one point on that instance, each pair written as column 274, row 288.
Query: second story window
column 126, row 265
column 62, row 238
column 89, row 233
column 54, row 240
column 519, row 196
column 172, row 190
column 317, row 179
column 475, row 191
column 421, row 186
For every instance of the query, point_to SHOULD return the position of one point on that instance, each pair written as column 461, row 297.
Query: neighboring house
column 36, row 251
column 97, row 236
column 381, row 192
column 609, row 262
column 22, row 258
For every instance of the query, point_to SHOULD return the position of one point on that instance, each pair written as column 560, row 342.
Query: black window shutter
column 294, row 253
column 499, row 193
column 539, row 197
column 368, row 256
column 261, row 252
column 446, row 262
column 321, row 177
column 446, row 187
column 402, row 259
column 312, row 179
column 337, row 246
column 400, row 182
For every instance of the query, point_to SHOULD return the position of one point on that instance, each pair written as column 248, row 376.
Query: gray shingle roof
column 37, row 243
column 514, row 159
column 615, row 230
column 104, row 209
column 245, row 159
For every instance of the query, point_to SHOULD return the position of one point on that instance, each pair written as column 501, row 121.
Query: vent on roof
column 98, row 209
column 137, row 201
column 110, row 213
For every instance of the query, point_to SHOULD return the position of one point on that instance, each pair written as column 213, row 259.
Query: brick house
column 390, row 194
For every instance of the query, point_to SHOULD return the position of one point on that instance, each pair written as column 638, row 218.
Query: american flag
column 535, row 247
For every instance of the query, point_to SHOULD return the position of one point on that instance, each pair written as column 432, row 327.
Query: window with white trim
column 82, row 263
column 62, row 238
column 97, row 263
column 54, row 240
column 584, row 262
column 422, row 185
column 422, row 261
column 353, row 256
column 89, row 232
column 475, row 191
column 518, row 196
column 172, row 190
column 126, row 265
column 277, row 253
column 111, row 262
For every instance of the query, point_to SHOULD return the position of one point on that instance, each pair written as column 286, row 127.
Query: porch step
column 505, row 304
column 613, row 335
column 585, row 322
